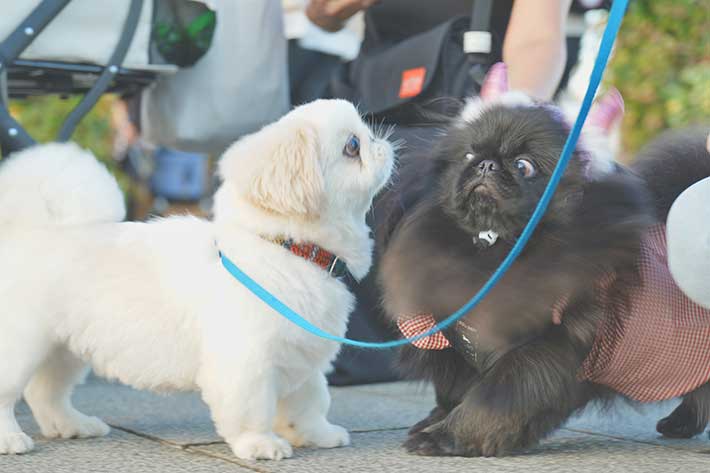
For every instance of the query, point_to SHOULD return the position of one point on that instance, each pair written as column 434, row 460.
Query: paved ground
column 167, row 434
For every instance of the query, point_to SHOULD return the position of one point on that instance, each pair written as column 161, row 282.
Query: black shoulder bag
column 397, row 82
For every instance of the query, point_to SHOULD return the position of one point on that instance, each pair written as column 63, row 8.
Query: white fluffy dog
column 151, row 305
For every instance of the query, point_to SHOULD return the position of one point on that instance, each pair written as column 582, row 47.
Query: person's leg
column 309, row 73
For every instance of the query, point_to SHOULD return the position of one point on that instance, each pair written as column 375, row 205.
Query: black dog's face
column 498, row 166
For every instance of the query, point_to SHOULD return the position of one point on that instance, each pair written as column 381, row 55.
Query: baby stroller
column 89, row 47
column 177, row 56
column 86, row 50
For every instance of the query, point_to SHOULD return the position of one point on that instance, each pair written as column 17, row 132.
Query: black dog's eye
column 352, row 147
column 525, row 168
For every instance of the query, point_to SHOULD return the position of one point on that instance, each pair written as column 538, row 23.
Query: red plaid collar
column 335, row 266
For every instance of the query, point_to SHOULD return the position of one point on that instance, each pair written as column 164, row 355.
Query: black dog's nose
column 488, row 165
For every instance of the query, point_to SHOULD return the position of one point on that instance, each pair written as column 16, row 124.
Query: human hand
column 332, row 14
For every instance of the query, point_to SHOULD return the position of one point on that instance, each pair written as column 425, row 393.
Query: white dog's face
column 319, row 160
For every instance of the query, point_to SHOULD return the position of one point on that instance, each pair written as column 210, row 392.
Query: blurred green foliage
column 662, row 67
column 43, row 116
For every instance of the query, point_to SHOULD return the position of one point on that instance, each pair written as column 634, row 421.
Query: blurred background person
column 315, row 53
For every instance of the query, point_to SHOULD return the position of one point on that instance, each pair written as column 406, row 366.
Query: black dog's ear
column 618, row 207
column 572, row 199
column 618, row 196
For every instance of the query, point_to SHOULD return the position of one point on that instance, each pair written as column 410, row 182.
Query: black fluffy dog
column 511, row 375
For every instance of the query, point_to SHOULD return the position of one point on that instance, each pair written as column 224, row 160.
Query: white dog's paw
column 15, row 442
column 253, row 446
column 325, row 435
column 328, row 436
column 292, row 436
column 74, row 426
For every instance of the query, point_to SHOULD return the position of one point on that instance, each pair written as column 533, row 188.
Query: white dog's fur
column 59, row 184
column 150, row 304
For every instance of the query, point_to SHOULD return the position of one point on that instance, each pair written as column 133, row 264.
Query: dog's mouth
column 476, row 205
column 482, row 188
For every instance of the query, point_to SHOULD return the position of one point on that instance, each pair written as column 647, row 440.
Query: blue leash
column 616, row 15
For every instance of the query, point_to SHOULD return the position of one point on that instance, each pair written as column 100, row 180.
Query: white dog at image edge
column 151, row 305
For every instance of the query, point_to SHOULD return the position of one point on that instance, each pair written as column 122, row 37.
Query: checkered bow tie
column 413, row 326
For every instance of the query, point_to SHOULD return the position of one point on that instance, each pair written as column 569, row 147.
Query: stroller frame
column 110, row 77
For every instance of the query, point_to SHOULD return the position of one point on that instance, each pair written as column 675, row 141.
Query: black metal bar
column 104, row 80
column 17, row 41
column 12, row 136
column 72, row 67
column 32, row 77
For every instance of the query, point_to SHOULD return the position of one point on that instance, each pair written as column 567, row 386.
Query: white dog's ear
column 278, row 168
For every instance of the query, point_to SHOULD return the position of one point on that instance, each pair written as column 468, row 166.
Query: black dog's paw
column 436, row 415
column 436, row 440
column 681, row 424
column 431, row 444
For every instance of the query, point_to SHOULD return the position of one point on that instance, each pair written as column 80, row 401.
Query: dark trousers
column 309, row 73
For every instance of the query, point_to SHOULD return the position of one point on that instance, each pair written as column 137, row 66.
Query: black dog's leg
column 436, row 415
column 451, row 377
column 523, row 397
column 690, row 418
column 448, row 396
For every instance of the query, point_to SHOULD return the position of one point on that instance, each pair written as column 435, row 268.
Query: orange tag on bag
column 412, row 82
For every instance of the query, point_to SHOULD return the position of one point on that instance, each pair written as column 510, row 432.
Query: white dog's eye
column 469, row 156
column 352, row 147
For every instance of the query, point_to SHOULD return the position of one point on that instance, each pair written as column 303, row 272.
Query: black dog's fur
column 512, row 375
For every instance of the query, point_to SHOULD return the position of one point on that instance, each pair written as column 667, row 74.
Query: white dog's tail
column 60, row 184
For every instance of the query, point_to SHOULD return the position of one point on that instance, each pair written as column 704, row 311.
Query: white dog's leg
column 302, row 417
column 12, row 439
column 20, row 353
column 243, row 407
column 49, row 396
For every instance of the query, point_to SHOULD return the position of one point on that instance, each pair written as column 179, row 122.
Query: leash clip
column 332, row 265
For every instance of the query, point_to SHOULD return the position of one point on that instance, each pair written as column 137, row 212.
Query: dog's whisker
column 398, row 144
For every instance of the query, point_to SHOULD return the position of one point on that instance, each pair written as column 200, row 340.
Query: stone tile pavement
column 166, row 434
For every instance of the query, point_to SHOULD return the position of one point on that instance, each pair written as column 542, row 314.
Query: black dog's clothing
column 654, row 343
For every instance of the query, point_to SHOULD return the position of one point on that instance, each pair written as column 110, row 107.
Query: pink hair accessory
column 607, row 110
column 496, row 82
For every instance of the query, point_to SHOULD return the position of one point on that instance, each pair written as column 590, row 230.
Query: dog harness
column 653, row 344
column 335, row 266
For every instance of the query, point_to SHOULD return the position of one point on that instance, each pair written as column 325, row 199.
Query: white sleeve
column 688, row 237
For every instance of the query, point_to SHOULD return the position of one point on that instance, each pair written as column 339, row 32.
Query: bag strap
column 481, row 15
column 478, row 39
